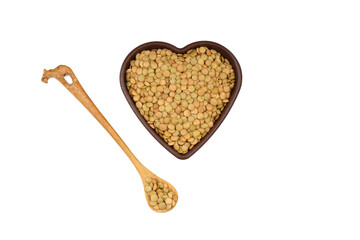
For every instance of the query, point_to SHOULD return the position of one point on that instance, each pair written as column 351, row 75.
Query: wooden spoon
column 79, row 93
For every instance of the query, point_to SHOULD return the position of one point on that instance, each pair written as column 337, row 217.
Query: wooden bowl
column 156, row 45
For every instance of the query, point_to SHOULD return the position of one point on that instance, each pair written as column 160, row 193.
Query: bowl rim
column 158, row 44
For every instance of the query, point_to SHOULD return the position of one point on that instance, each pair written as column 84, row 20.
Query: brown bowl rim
column 156, row 45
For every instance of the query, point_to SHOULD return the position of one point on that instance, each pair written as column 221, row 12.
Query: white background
column 284, row 165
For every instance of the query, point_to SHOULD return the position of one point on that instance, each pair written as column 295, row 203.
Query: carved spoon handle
column 79, row 93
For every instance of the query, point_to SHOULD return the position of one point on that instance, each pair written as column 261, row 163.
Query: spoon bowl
column 170, row 187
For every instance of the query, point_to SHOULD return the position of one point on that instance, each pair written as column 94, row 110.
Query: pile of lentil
column 160, row 196
column 180, row 95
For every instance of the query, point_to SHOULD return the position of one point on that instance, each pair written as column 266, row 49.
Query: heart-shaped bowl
column 161, row 45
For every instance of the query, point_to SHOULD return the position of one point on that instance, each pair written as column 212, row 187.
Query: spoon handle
column 79, row 93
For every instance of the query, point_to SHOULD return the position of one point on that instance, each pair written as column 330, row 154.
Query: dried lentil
column 159, row 195
column 180, row 95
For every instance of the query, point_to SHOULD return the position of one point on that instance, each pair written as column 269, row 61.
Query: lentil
column 180, row 96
